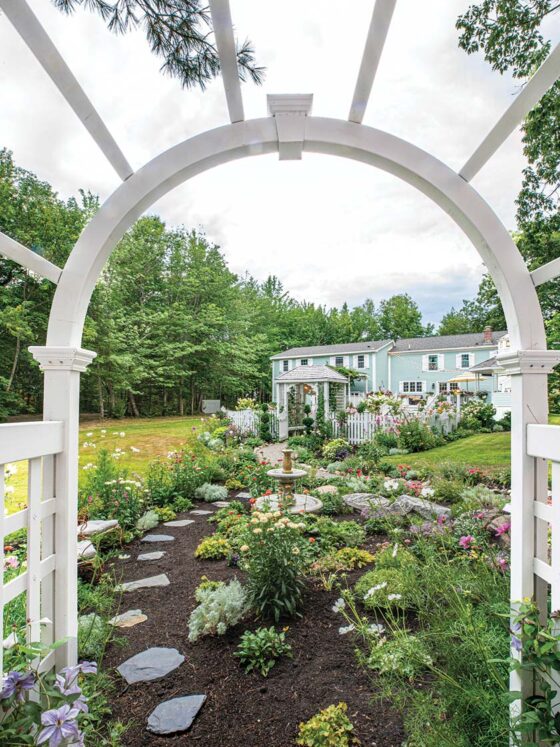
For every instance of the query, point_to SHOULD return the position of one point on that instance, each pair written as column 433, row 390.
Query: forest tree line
column 171, row 324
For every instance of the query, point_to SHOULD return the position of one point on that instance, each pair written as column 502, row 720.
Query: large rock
column 158, row 538
column 96, row 526
column 86, row 551
column 175, row 715
column 149, row 665
column 369, row 502
column 145, row 583
column 407, row 504
column 128, row 619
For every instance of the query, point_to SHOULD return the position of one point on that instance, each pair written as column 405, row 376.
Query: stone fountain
column 286, row 495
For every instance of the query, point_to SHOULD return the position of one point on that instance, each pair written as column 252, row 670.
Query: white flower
column 345, row 629
column 427, row 492
column 258, row 530
column 376, row 628
column 391, row 484
column 103, row 431
column 10, row 641
column 9, row 489
column 394, row 597
column 295, row 550
column 339, row 605
column 89, row 434
column 370, row 592
column 89, row 465
column 10, row 470
column 135, row 450
column 122, row 434
column 395, row 550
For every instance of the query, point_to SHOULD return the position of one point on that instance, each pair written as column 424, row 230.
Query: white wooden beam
column 225, row 42
column 34, row 35
column 26, row 258
column 378, row 28
column 546, row 272
column 529, row 96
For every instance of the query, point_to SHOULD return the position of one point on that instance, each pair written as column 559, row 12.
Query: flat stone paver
column 149, row 665
column 178, row 523
column 152, row 555
column 244, row 494
column 128, row 619
column 145, row 583
column 200, row 512
column 175, row 715
column 86, row 550
column 365, row 501
column 157, row 538
column 221, row 504
column 96, row 526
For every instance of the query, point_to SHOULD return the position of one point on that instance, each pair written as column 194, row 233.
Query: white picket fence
column 361, row 426
column 37, row 444
column 247, row 421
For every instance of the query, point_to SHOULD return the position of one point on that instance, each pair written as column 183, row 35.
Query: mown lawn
column 140, row 442
column 483, row 450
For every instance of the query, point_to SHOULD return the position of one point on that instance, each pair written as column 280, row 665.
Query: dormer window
column 339, row 360
column 304, row 362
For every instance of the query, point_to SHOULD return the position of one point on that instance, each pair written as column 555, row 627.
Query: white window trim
column 415, row 390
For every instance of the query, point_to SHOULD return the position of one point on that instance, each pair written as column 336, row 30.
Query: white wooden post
column 529, row 481
column 326, row 404
column 62, row 367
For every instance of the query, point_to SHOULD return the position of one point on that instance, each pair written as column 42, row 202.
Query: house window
column 412, row 387
column 433, row 363
column 453, row 386
column 442, row 387
column 361, row 361
column 465, row 360
column 285, row 365
column 339, row 360
column 304, row 362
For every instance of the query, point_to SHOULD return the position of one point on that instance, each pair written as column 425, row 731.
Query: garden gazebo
column 290, row 130
column 307, row 384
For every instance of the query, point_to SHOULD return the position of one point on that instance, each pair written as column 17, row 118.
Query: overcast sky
column 330, row 229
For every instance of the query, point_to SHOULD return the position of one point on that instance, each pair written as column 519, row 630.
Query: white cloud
column 330, row 229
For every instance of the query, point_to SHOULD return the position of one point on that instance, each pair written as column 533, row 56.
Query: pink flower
column 503, row 528
column 466, row 541
column 11, row 562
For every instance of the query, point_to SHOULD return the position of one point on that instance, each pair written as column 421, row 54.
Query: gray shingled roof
column 349, row 347
column 442, row 342
column 312, row 373
column 488, row 365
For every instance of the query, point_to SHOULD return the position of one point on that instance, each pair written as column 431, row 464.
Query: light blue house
column 414, row 367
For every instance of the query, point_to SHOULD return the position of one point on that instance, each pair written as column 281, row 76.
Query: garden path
column 271, row 452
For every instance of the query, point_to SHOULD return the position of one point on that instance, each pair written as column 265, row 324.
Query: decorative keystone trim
column 289, row 111
column 528, row 361
column 62, row 358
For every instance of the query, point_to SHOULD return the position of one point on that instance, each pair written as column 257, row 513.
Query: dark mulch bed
column 241, row 709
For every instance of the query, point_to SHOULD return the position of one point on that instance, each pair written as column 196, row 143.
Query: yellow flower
column 244, row 548
column 295, row 550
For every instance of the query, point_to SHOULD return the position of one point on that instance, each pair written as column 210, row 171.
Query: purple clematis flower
column 81, row 704
column 15, row 683
column 60, row 724
column 515, row 640
column 88, row 667
column 67, row 682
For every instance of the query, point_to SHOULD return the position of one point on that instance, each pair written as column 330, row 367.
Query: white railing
column 36, row 443
column 247, row 421
column 361, row 426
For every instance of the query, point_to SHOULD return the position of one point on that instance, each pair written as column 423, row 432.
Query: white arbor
column 290, row 130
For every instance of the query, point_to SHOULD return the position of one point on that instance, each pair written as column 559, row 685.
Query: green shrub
column 335, row 534
column 212, row 548
column 345, row 559
column 264, row 424
column 449, row 491
column 218, row 610
column 371, row 452
column 206, row 585
column 331, row 727
column 415, row 436
column 403, row 654
column 232, row 483
column 385, row 588
column 273, row 556
column 396, row 556
column 336, row 450
column 479, row 497
column 261, row 650
column 165, row 513
column 211, row 493
column 333, row 504
column 180, row 504
column 386, row 439
column 476, row 415
column 147, row 521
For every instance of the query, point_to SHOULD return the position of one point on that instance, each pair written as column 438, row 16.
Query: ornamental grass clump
column 261, row 650
column 331, row 727
column 273, row 553
column 219, row 609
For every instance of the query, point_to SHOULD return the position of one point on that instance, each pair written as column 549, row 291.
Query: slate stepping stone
column 128, row 619
column 149, row 665
column 244, row 494
column 145, row 583
column 178, row 523
column 152, row 555
column 158, row 538
column 175, row 715
column 200, row 512
column 221, row 504
column 96, row 526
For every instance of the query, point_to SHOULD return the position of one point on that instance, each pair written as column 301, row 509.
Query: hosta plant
column 260, row 650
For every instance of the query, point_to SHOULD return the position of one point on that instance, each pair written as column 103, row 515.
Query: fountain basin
column 280, row 474
column 302, row 503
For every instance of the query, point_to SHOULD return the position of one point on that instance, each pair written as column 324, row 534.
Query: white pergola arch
column 50, row 580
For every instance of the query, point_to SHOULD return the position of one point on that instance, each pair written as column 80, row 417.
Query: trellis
column 50, row 579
